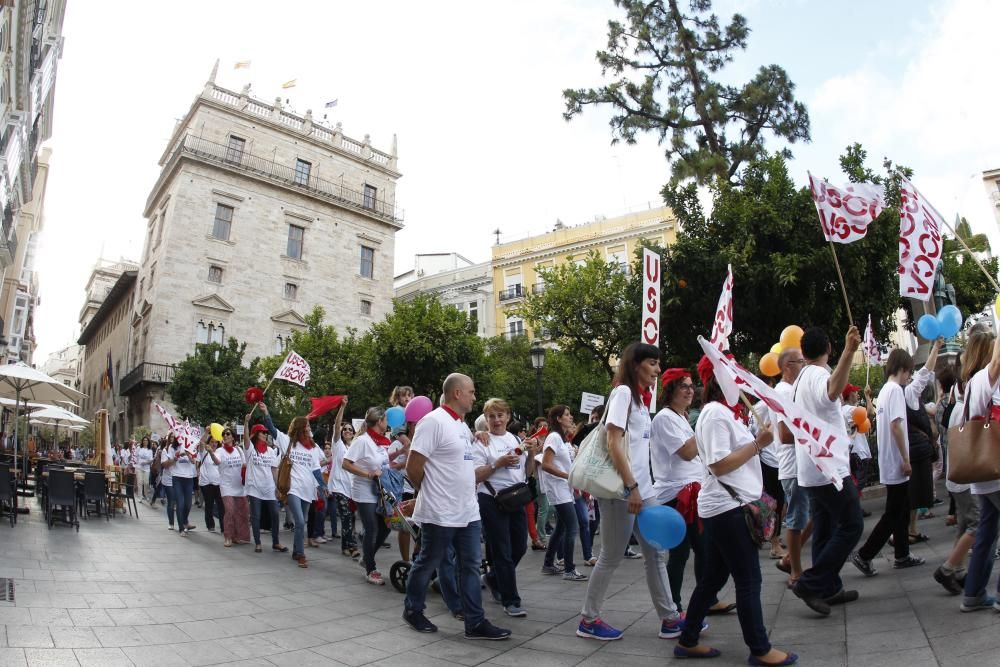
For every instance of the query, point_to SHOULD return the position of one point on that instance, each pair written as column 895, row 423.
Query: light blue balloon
column 949, row 321
column 662, row 526
column 395, row 416
column 928, row 327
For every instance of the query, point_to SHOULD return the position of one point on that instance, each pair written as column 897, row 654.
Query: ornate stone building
column 258, row 216
column 455, row 281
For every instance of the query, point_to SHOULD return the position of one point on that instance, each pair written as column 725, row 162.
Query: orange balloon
column 791, row 337
column 769, row 365
column 682, row 283
column 859, row 415
column 865, row 427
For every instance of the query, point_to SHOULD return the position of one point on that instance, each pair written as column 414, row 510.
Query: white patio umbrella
column 54, row 416
column 22, row 382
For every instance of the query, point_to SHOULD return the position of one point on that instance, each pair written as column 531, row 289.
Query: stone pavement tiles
column 130, row 592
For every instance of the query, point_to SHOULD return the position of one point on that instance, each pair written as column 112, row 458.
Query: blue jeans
column 171, row 503
column 981, row 563
column 183, row 490
column 506, row 535
column 448, row 581
column 270, row 505
column 563, row 537
column 728, row 550
column 375, row 533
column 434, row 543
column 298, row 508
column 583, row 522
column 837, row 527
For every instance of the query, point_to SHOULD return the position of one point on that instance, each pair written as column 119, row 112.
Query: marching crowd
column 504, row 486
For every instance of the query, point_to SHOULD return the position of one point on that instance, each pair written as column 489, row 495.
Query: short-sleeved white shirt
column 340, row 481
column 671, row 472
column 543, row 488
column 505, row 476
column 859, row 441
column 787, row 467
column 208, row 471
column 144, row 457
column 812, row 393
column 184, row 466
column 304, row 462
column 260, row 479
column 979, row 394
column 557, row 488
column 230, row 471
column 398, row 456
column 718, row 434
column 368, row 456
column 891, row 407
column 639, row 431
column 447, row 494
column 166, row 474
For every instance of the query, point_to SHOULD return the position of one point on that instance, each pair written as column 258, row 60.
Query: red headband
column 672, row 374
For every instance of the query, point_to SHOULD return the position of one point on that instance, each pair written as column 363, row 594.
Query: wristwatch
column 493, row 466
column 630, row 489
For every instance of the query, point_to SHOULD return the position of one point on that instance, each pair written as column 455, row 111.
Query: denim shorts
column 797, row 505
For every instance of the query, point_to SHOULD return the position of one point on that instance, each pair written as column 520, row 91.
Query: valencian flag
column 108, row 379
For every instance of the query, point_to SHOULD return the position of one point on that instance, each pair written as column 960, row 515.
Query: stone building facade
column 65, row 364
column 455, row 281
column 258, row 216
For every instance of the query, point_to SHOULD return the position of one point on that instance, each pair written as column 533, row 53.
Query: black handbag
column 513, row 498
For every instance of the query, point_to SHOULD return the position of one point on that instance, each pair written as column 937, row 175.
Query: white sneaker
column 322, row 540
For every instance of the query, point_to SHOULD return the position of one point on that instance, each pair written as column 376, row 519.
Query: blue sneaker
column 671, row 629
column 704, row 622
column 985, row 603
column 598, row 630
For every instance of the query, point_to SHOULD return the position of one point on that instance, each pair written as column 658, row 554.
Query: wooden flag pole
column 843, row 288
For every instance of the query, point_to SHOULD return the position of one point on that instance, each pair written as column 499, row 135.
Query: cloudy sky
column 473, row 91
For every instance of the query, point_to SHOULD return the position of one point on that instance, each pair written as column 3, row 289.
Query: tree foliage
column 209, row 385
column 973, row 290
column 665, row 64
column 768, row 230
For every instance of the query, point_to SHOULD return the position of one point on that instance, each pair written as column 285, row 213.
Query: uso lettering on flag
column 845, row 213
column 651, row 297
column 723, row 325
column 295, row 369
column 919, row 243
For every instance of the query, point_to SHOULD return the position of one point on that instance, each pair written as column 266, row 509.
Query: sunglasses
column 227, row 433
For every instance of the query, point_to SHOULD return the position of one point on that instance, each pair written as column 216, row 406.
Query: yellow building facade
column 516, row 265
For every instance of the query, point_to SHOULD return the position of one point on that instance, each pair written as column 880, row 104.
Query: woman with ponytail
column 262, row 475
column 307, row 481
column 365, row 459
column 236, row 518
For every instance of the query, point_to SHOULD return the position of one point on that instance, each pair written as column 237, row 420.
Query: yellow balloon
column 216, row 431
column 776, row 348
column 791, row 336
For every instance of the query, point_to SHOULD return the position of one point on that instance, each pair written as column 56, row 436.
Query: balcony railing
column 512, row 292
column 146, row 373
column 8, row 236
column 267, row 168
column 538, row 288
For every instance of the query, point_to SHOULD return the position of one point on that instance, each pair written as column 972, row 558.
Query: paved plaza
column 130, row 592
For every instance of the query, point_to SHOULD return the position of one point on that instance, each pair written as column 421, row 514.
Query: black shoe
column 909, row 561
column 487, row 630
column 865, row 566
column 865, row 513
column 949, row 581
column 842, row 597
column 418, row 621
column 817, row 604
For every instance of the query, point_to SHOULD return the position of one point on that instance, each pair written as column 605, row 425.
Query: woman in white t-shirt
column 730, row 455
column 981, row 376
column 365, row 459
column 166, row 480
column 629, row 428
column 306, row 482
column 236, row 521
column 557, row 457
column 397, row 452
column 678, row 475
column 262, row 476
column 501, row 464
column 144, row 457
column 339, row 486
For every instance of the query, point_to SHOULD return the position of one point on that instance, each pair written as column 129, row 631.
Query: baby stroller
column 389, row 490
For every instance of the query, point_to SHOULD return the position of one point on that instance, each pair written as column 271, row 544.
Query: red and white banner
column 650, row 305
column 815, row 436
column 872, row 350
column 845, row 213
column 919, row 243
column 294, row 369
column 189, row 434
column 723, row 325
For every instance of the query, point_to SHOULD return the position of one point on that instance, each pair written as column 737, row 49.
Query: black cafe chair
column 126, row 493
column 62, row 496
column 95, row 490
column 7, row 493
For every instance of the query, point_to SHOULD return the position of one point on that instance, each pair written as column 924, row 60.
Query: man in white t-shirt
column 836, row 515
column 798, row 528
column 441, row 468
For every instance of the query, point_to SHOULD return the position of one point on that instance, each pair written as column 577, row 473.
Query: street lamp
column 538, row 363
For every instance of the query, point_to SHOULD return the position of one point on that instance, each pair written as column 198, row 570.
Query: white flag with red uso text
column 189, row 434
column 872, row 350
column 813, row 435
column 919, row 243
column 293, row 369
column 723, row 325
column 845, row 213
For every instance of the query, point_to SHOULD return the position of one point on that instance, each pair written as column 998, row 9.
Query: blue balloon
column 928, row 327
column 395, row 416
column 949, row 321
column 662, row 526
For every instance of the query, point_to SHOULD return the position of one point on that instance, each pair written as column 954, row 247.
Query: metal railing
column 146, row 373
column 512, row 292
column 538, row 288
column 271, row 170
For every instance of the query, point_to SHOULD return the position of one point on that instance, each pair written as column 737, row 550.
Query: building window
column 291, row 291
column 371, row 194
column 216, row 333
column 234, row 151
column 474, row 312
column 366, row 307
column 296, row 235
column 200, row 333
column 161, row 221
column 214, row 274
column 223, row 222
column 367, row 262
column 515, row 328
column 302, row 170
column 281, row 343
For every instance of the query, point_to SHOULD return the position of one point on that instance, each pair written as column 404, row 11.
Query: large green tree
column 665, row 63
column 973, row 290
column 209, row 385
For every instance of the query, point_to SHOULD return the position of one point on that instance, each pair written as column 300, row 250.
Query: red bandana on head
column 672, row 375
